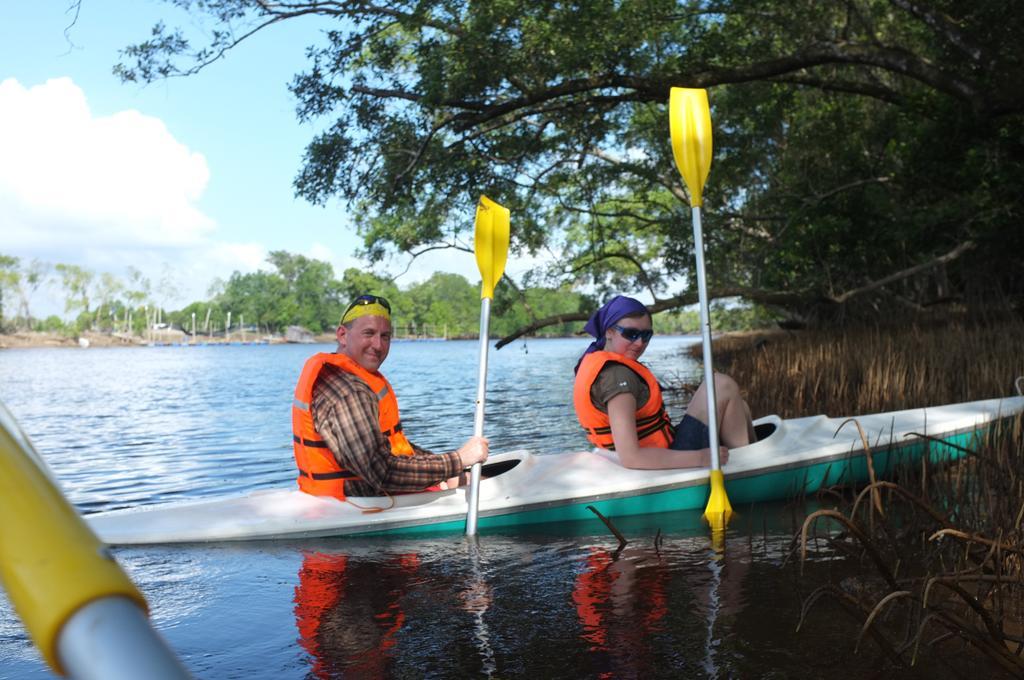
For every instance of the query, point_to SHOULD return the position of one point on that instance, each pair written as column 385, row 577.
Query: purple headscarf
column 606, row 317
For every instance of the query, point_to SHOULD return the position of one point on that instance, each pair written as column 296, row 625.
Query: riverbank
column 34, row 339
column 29, row 339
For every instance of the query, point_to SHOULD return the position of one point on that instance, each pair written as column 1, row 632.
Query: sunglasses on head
column 634, row 334
column 368, row 300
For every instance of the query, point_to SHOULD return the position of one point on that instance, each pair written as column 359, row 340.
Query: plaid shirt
column 345, row 415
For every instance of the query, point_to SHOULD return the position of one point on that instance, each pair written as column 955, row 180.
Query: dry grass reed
column 939, row 550
column 872, row 370
column 947, row 550
column 947, row 553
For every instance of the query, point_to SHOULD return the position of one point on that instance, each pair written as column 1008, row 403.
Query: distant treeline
column 300, row 291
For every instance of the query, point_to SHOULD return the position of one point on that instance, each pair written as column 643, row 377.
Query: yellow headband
column 372, row 309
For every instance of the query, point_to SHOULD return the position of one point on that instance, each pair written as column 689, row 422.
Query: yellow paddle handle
column 51, row 564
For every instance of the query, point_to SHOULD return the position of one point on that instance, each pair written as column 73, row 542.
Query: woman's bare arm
column 622, row 417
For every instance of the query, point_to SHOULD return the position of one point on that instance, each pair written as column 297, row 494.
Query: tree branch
column 768, row 297
column 415, row 254
column 846, row 86
column 752, row 294
column 941, row 25
column 906, row 273
column 648, row 280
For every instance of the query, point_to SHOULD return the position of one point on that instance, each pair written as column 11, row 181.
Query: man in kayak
column 618, row 400
column 348, row 438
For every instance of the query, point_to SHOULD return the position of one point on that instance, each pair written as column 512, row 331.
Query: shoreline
column 735, row 340
column 89, row 339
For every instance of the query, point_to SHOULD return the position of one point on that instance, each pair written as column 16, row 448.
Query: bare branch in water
column 611, row 527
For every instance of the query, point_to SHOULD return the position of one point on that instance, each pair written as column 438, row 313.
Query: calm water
column 125, row 427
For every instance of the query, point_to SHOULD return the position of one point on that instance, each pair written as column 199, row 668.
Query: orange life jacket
column 653, row 426
column 319, row 471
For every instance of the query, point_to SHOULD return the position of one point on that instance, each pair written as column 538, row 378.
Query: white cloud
column 107, row 192
column 319, row 251
column 69, row 180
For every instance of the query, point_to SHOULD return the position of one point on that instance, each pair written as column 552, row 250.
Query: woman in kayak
column 618, row 400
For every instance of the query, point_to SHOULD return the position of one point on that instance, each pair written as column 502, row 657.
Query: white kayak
column 793, row 457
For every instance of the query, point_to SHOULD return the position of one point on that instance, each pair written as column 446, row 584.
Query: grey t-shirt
column 615, row 379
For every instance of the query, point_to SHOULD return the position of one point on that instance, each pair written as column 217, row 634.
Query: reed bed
column 942, row 555
column 871, row 370
column 936, row 553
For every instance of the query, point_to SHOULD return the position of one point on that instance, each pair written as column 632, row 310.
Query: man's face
column 367, row 342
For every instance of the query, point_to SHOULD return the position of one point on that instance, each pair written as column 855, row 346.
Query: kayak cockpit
column 765, row 427
column 490, row 470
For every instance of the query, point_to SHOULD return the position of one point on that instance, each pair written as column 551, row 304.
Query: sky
column 186, row 180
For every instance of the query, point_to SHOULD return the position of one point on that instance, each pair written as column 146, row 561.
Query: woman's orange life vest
column 653, row 426
column 319, row 471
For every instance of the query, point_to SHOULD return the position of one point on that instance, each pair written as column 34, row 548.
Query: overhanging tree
column 864, row 149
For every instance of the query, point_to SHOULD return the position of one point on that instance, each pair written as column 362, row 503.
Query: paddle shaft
column 111, row 639
column 478, row 422
column 705, row 331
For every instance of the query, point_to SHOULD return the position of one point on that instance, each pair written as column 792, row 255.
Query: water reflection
column 477, row 600
column 376, row 614
column 509, row 606
column 621, row 600
column 514, row 605
column 350, row 611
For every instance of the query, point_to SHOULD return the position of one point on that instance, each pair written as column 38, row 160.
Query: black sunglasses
column 634, row 334
column 368, row 300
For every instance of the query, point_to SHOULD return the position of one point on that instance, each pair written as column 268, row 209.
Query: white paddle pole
column 705, row 332
column 478, row 421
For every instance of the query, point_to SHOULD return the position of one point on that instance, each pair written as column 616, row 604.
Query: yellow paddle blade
column 490, row 243
column 689, row 121
column 719, row 510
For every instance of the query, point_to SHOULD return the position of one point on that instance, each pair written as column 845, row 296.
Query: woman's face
column 616, row 342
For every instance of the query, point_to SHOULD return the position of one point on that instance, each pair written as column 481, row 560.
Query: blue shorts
column 691, row 435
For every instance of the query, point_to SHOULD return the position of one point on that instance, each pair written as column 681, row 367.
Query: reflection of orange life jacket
column 319, row 471
column 632, row 609
column 653, row 426
column 591, row 595
column 322, row 590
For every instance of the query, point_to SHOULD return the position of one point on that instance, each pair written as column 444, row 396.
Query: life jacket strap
column 655, row 427
column 327, row 476
column 312, row 443
column 645, row 427
column 396, row 428
column 659, row 419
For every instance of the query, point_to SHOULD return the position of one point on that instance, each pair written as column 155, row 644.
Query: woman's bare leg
column 735, row 427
